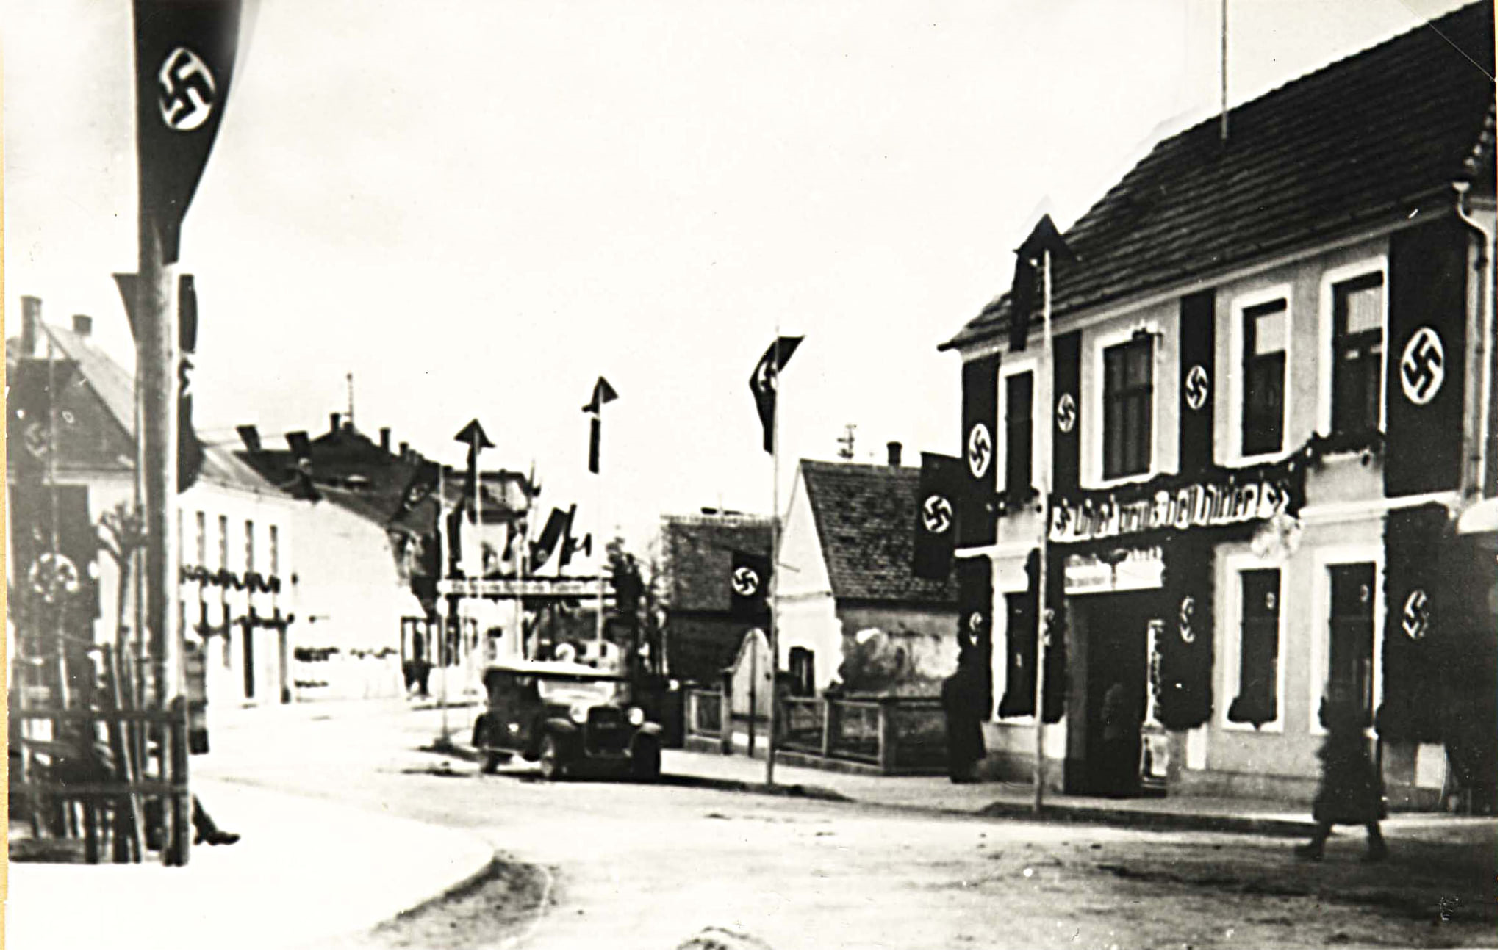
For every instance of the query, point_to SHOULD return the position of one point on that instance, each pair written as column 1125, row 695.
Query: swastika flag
column 184, row 61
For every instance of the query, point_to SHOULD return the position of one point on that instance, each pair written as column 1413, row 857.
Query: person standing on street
column 1351, row 790
column 962, row 701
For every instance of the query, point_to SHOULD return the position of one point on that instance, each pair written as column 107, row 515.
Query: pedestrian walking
column 1351, row 790
column 962, row 701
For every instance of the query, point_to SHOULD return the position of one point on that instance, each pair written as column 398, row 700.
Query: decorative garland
column 253, row 581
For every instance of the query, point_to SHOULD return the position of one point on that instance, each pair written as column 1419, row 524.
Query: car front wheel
column 552, row 764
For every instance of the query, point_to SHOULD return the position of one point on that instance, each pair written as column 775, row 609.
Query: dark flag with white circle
column 1066, row 430
column 980, row 397
column 936, row 516
column 975, row 618
column 749, row 585
column 1198, row 375
column 184, row 61
column 764, row 382
column 1414, row 625
column 1425, row 359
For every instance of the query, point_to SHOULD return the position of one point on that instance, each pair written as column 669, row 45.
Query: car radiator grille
column 607, row 731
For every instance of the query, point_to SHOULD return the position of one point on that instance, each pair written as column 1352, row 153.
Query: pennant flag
column 1027, row 292
column 184, row 62
column 936, row 516
column 420, row 486
column 189, row 448
column 569, row 543
column 603, row 393
column 764, row 382
column 551, row 536
column 301, row 450
column 473, row 436
column 749, row 585
column 976, row 512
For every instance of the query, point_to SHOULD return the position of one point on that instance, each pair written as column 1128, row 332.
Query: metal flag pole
column 1042, row 619
column 602, row 539
column 444, row 739
column 774, row 563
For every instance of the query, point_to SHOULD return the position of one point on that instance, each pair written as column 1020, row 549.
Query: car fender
column 480, row 731
column 560, row 726
column 649, row 729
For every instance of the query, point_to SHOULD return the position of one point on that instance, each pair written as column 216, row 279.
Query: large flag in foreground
column 764, row 382
column 184, row 61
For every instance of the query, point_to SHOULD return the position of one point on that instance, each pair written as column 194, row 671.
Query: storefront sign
column 1136, row 569
column 509, row 588
column 1137, row 509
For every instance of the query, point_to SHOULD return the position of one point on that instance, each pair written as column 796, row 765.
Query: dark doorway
column 1117, row 636
column 249, row 661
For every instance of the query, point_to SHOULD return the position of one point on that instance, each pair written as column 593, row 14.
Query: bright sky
column 477, row 207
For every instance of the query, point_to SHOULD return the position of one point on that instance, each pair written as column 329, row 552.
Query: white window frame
column 1321, row 618
column 1094, row 417
column 1008, row 368
column 1233, row 566
column 1240, row 304
column 1325, row 365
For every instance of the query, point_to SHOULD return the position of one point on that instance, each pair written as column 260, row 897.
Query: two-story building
column 1269, row 400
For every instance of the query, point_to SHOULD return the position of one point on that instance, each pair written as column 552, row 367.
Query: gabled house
column 846, row 572
column 1270, row 401
column 238, row 597
column 702, row 631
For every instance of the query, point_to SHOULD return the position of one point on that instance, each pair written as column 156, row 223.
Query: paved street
column 620, row 865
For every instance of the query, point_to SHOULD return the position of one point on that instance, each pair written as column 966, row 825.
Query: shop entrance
column 1116, row 684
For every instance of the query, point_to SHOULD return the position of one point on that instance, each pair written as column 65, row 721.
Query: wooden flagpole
column 444, row 739
column 774, row 564
column 1042, row 624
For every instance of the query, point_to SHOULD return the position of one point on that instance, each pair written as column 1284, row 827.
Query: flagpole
column 1041, row 621
column 602, row 539
column 444, row 739
column 156, row 362
column 774, row 565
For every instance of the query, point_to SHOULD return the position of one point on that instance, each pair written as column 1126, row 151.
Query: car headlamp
column 636, row 716
column 578, row 713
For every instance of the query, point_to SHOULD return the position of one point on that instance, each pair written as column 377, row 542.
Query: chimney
column 250, row 436
column 894, row 454
column 83, row 324
column 31, row 324
column 335, row 422
column 385, row 439
column 405, row 450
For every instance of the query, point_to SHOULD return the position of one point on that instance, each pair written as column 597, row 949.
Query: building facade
column 1268, row 403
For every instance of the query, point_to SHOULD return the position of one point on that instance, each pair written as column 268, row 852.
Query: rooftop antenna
column 845, row 452
column 350, row 379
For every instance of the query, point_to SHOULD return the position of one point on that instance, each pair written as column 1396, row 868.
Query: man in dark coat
column 1351, row 790
column 962, row 699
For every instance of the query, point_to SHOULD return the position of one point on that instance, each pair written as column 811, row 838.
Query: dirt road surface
column 619, row 865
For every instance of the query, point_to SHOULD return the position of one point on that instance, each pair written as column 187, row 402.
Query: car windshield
column 574, row 691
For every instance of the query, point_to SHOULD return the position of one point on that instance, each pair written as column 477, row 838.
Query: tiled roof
column 698, row 648
column 699, row 552
column 1366, row 140
column 865, row 517
column 115, row 387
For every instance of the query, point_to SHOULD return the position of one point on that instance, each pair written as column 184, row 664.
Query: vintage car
column 567, row 716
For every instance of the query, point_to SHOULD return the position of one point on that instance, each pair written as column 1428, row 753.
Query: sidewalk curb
column 1152, row 821
column 813, row 792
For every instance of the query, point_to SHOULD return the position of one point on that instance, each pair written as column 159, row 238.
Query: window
column 1265, row 331
column 223, row 542
column 275, row 550
column 1350, row 650
column 249, row 546
column 1258, row 648
column 1018, row 431
column 202, row 548
column 1128, row 403
column 803, row 672
column 1357, row 354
